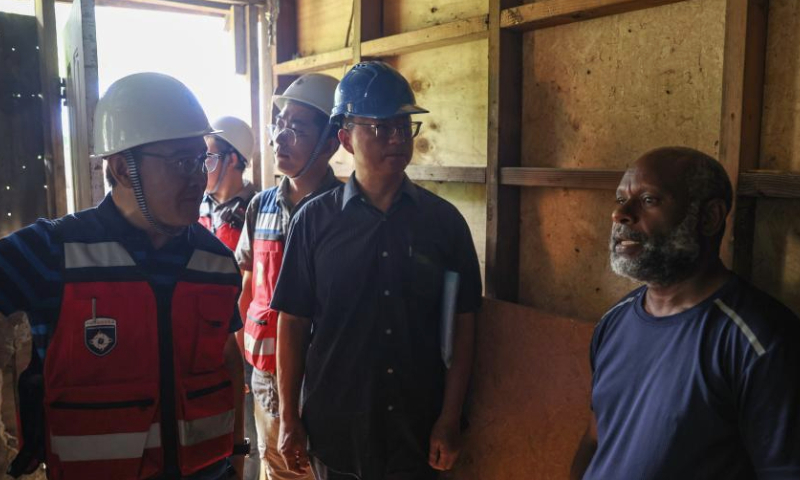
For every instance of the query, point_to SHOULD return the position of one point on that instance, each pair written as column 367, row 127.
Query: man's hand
column 292, row 441
column 445, row 444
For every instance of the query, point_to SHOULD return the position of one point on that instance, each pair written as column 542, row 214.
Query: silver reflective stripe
column 192, row 432
column 259, row 347
column 102, row 254
column 112, row 446
column 208, row 262
column 751, row 337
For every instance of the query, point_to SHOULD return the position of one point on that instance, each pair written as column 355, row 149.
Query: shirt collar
column 407, row 189
column 247, row 191
column 328, row 182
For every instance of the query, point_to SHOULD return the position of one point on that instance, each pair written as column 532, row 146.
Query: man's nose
column 623, row 213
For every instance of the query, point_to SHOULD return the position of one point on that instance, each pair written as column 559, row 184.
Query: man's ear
column 118, row 169
column 713, row 216
column 345, row 140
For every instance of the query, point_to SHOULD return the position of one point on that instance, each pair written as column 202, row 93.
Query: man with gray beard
column 696, row 374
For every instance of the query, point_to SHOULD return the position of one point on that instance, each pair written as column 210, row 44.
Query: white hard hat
column 313, row 89
column 237, row 133
column 144, row 108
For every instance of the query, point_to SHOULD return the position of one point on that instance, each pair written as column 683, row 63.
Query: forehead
column 297, row 112
column 655, row 174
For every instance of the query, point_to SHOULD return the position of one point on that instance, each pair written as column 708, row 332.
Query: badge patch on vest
column 100, row 335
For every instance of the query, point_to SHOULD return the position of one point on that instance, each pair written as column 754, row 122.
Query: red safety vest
column 102, row 396
column 225, row 232
column 261, row 327
column 261, row 324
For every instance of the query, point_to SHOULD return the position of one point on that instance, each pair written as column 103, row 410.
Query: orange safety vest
column 102, row 398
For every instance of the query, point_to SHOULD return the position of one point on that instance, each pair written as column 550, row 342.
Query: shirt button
column 385, row 254
column 390, row 371
column 386, row 293
column 388, row 331
column 390, row 408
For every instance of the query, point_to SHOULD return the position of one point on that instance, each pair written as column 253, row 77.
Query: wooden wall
column 598, row 94
column 776, row 255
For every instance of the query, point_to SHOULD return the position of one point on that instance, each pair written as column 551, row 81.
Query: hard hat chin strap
column 323, row 139
column 221, row 176
column 138, row 192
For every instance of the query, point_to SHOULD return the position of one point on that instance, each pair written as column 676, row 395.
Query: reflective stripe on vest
column 101, row 254
column 208, row 262
column 259, row 347
column 112, row 446
column 192, row 432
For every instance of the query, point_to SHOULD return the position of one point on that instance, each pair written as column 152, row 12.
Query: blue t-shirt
column 709, row 393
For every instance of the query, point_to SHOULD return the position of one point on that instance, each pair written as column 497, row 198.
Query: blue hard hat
column 374, row 90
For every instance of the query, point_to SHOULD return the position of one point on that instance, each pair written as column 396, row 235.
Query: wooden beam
column 430, row 173
column 267, row 178
column 286, row 34
column 239, row 32
column 315, row 63
column 503, row 150
column 769, row 184
column 252, row 14
column 561, row 178
column 439, row 36
column 184, row 6
column 740, row 130
column 549, row 13
column 451, row 33
column 51, row 109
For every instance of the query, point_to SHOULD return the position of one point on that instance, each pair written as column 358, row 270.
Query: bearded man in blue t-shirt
column 696, row 374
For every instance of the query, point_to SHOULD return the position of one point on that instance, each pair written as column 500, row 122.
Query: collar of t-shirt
column 247, row 191
column 329, row 181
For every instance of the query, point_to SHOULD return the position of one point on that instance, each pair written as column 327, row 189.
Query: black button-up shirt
column 371, row 283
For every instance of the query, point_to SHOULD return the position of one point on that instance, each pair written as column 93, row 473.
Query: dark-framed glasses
column 384, row 132
column 188, row 164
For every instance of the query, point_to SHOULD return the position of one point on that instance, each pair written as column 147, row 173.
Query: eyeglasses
column 288, row 135
column 384, row 132
column 189, row 165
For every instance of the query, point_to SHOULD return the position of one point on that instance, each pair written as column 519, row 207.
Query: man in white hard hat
column 303, row 144
column 222, row 212
column 132, row 305
column 227, row 192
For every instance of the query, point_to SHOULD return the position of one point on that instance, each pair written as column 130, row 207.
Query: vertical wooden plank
column 357, row 26
column 254, row 79
column 265, row 47
column 371, row 20
column 503, row 149
column 240, row 43
column 740, row 129
column 51, row 108
column 286, row 32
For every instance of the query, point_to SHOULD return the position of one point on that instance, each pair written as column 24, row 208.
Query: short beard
column 664, row 259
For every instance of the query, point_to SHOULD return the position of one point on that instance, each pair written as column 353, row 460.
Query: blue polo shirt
column 709, row 393
column 32, row 259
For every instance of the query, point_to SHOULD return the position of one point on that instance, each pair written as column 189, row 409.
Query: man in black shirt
column 361, row 307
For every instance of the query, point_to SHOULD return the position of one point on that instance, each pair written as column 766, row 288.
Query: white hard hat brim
column 199, row 135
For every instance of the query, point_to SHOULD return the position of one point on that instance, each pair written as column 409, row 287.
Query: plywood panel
column 323, row 25
column 454, row 91
column 776, row 250
column 401, row 16
column 470, row 199
column 564, row 265
column 599, row 93
column 530, row 402
column 780, row 136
